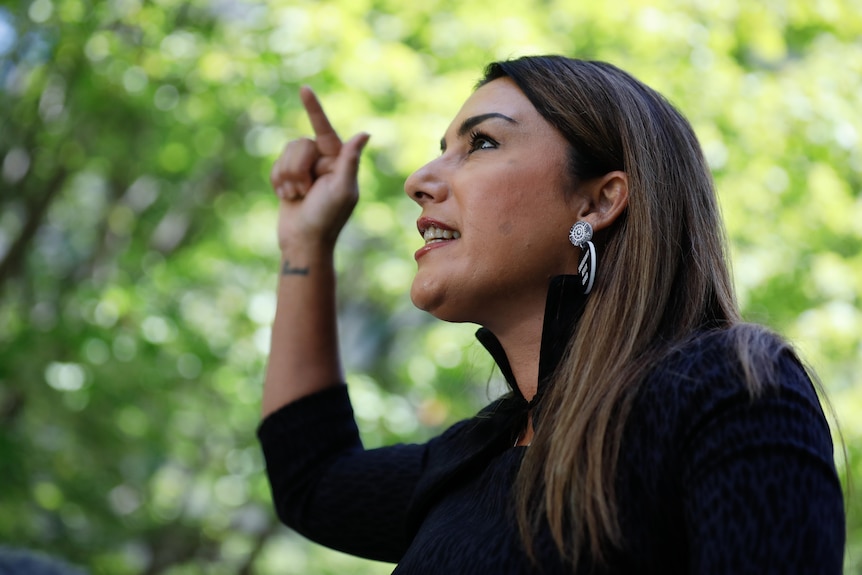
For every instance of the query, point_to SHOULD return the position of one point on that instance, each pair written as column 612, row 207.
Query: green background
column 138, row 257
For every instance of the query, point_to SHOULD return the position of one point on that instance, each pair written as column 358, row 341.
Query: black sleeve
column 760, row 491
column 331, row 490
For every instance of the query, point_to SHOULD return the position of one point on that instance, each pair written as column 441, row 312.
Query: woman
column 648, row 430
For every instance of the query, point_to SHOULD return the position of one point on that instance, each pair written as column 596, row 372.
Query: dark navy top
column 709, row 481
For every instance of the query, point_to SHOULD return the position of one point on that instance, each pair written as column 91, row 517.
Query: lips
column 436, row 234
column 435, row 231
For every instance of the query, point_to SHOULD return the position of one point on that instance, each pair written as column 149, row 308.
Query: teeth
column 432, row 233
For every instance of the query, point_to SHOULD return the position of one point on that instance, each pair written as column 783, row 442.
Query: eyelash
column 476, row 138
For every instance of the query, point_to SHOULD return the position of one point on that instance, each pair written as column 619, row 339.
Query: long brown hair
column 663, row 276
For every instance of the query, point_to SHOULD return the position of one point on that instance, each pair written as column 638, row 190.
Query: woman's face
column 501, row 198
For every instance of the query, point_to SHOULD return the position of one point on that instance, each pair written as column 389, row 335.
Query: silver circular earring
column 581, row 233
column 580, row 236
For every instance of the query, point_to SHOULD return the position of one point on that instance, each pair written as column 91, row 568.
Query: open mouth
column 433, row 234
column 433, row 231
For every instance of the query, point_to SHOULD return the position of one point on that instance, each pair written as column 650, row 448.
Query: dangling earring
column 580, row 236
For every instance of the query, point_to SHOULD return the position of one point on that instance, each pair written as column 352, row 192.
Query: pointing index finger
column 327, row 139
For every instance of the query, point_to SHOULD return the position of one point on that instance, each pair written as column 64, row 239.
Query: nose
column 426, row 184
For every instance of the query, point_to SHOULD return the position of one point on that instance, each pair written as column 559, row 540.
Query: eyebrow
column 474, row 121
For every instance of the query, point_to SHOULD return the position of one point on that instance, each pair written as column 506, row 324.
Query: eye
column 481, row 141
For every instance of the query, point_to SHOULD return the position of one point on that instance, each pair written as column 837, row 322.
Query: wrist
column 306, row 249
column 302, row 258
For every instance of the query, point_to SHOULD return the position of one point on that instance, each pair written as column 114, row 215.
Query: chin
column 423, row 297
column 430, row 297
column 442, row 311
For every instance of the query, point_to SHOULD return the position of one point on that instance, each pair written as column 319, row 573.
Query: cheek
column 506, row 228
column 507, row 205
column 531, row 232
column 524, row 211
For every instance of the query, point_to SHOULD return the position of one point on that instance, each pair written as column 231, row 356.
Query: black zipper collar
column 563, row 308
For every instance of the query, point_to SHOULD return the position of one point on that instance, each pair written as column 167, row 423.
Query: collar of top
column 563, row 308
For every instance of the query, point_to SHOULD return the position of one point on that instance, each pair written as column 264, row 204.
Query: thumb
column 348, row 158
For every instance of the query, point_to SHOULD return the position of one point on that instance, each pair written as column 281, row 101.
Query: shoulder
column 746, row 360
column 742, row 452
column 743, row 382
column 713, row 460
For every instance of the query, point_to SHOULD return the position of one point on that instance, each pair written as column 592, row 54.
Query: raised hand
column 316, row 182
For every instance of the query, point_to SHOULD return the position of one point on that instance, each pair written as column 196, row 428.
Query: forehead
column 501, row 96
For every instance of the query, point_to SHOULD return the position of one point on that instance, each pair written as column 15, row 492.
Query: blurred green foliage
column 138, row 256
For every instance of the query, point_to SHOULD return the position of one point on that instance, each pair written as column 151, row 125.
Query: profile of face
column 497, row 206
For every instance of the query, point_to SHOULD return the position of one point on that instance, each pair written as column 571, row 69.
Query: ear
column 606, row 198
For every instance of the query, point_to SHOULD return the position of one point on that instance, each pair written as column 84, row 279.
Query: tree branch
column 11, row 264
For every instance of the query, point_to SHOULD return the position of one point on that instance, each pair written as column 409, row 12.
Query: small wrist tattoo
column 286, row 270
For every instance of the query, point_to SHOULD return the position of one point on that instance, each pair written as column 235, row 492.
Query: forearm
column 304, row 346
column 316, row 183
